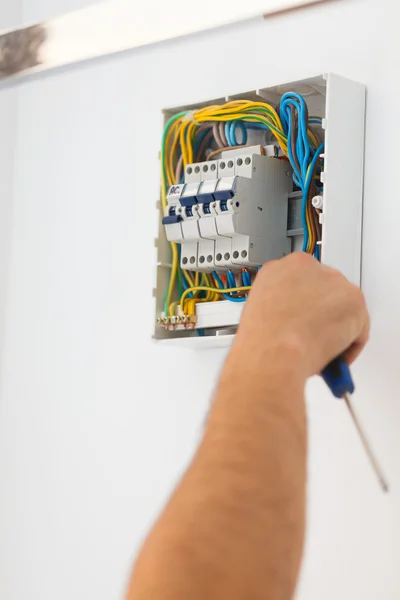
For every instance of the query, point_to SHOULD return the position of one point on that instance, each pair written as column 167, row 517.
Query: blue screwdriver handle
column 338, row 378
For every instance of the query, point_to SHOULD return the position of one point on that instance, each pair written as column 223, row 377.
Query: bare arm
column 234, row 527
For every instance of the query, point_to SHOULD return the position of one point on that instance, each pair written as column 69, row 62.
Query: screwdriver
column 338, row 378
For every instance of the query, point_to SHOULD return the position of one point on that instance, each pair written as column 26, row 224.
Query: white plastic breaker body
column 230, row 213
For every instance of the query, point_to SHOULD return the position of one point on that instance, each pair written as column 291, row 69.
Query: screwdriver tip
column 383, row 483
column 384, row 486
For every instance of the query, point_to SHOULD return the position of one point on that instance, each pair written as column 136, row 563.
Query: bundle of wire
column 187, row 136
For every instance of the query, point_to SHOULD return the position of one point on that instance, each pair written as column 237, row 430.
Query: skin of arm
column 234, row 527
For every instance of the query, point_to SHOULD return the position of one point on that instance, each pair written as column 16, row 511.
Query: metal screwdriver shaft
column 365, row 443
column 338, row 378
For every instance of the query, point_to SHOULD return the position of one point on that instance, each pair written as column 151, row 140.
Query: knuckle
column 269, row 265
column 266, row 270
column 334, row 274
column 358, row 298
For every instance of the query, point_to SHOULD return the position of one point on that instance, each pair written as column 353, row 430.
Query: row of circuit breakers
column 230, row 213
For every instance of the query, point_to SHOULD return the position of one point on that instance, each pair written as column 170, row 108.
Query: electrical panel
column 247, row 179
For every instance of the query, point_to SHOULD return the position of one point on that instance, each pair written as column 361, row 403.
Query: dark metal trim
column 20, row 50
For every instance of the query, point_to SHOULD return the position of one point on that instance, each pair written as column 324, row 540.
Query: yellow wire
column 174, row 249
column 168, row 152
column 188, row 278
column 191, row 306
column 172, row 308
column 308, row 222
column 226, row 112
column 170, row 162
column 163, row 191
column 238, row 115
column 215, row 296
column 190, row 134
column 249, row 119
column 182, row 136
column 231, row 107
column 174, row 270
column 203, row 288
column 210, row 297
column 183, row 131
column 309, row 228
column 312, row 137
column 203, row 281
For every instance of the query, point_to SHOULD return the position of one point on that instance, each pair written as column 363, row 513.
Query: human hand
column 298, row 303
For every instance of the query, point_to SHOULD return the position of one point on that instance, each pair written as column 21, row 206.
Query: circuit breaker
column 232, row 216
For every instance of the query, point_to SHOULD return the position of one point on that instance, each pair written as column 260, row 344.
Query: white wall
column 38, row 10
column 96, row 421
column 10, row 16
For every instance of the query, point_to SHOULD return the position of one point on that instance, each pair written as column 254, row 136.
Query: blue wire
column 303, row 148
column 228, row 133
column 246, row 278
column 231, row 279
column 312, row 165
column 186, row 286
column 196, row 147
column 199, row 139
column 303, row 172
column 239, row 125
column 226, row 296
column 287, row 125
column 232, row 137
column 232, row 133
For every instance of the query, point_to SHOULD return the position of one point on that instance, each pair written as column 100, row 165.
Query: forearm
column 234, row 527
